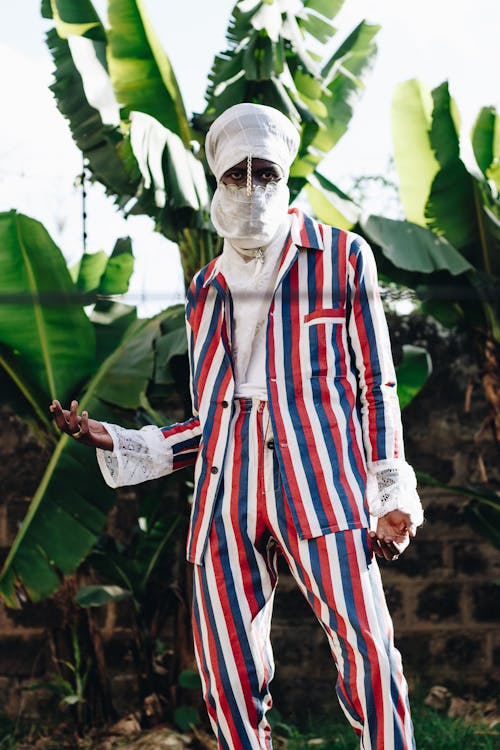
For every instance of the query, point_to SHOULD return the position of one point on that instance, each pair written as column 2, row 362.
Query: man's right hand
column 81, row 428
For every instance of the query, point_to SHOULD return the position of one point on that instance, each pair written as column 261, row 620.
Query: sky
column 432, row 40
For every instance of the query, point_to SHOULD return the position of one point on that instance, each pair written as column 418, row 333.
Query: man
column 297, row 440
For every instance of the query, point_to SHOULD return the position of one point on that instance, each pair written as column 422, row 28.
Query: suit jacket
column 330, row 381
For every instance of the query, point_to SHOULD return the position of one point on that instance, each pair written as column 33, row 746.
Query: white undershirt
column 251, row 280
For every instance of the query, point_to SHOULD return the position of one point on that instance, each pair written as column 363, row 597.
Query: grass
column 433, row 731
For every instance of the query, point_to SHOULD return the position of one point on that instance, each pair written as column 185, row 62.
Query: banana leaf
column 103, row 147
column 450, row 209
column 110, row 320
column 116, row 276
column 140, row 70
column 70, row 506
column 343, row 75
column 414, row 248
column 49, row 338
column 330, row 204
column 416, row 164
column 89, row 270
column 80, row 19
column 268, row 61
column 485, row 139
column 412, row 373
column 65, row 516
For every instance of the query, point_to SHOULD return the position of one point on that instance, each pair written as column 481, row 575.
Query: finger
column 60, row 416
column 74, row 419
column 389, row 550
column 83, row 431
column 55, row 406
column 374, row 543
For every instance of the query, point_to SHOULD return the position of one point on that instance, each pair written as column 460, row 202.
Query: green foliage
column 70, row 691
column 273, row 58
column 414, row 248
column 453, row 216
column 104, row 147
column 140, row 71
column 186, row 717
column 280, row 59
column 48, row 350
column 37, row 346
column 412, row 373
column 189, row 679
column 433, row 731
column 485, row 143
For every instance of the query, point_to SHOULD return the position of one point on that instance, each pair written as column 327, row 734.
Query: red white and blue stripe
column 233, row 600
column 330, row 381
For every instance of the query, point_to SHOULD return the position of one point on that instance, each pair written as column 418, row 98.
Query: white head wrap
column 251, row 130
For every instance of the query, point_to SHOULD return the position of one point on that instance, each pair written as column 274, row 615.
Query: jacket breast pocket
column 325, row 350
column 328, row 315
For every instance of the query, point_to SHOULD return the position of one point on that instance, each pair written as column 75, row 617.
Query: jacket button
column 224, row 404
column 214, row 470
column 270, row 444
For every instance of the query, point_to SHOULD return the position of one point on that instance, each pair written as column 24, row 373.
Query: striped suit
column 284, row 474
column 330, row 376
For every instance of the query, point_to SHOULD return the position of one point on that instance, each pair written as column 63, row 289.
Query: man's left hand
column 392, row 535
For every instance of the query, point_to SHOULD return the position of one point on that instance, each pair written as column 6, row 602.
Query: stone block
column 448, row 511
column 469, row 559
column 5, row 686
column 291, row 606
column 415, row 651
column 23, row 656
column 459, row 650
column 44, row 614
column 300, row 699
column 420, row 559
column 394, row 599
column 308, row 647
column 486, row 602
column 34, row 703
column 119, row 651
column 439, row 601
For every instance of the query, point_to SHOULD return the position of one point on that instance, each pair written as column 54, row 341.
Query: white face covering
column 249, row 221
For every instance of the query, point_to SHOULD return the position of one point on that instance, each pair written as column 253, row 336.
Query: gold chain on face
column 249, row 174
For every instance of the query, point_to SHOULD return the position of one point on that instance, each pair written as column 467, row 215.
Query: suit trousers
column 233, row 600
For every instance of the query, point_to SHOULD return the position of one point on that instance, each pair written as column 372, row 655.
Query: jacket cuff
column 392, row 485
column 137, row 456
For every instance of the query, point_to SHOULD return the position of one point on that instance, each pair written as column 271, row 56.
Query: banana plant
column 278, row 54
column 448, row 249
column 50, row 348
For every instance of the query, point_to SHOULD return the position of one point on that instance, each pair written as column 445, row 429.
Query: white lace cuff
column 392, row 485
column 137, row 456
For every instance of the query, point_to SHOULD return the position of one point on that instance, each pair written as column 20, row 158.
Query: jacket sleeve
column 153, row 452
column 391, row 481
column 149, row 453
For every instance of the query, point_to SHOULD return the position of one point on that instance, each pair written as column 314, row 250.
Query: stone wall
column 443, row 592
column 445, row 603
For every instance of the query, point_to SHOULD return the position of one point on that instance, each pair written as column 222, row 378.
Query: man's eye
column 270, row 176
